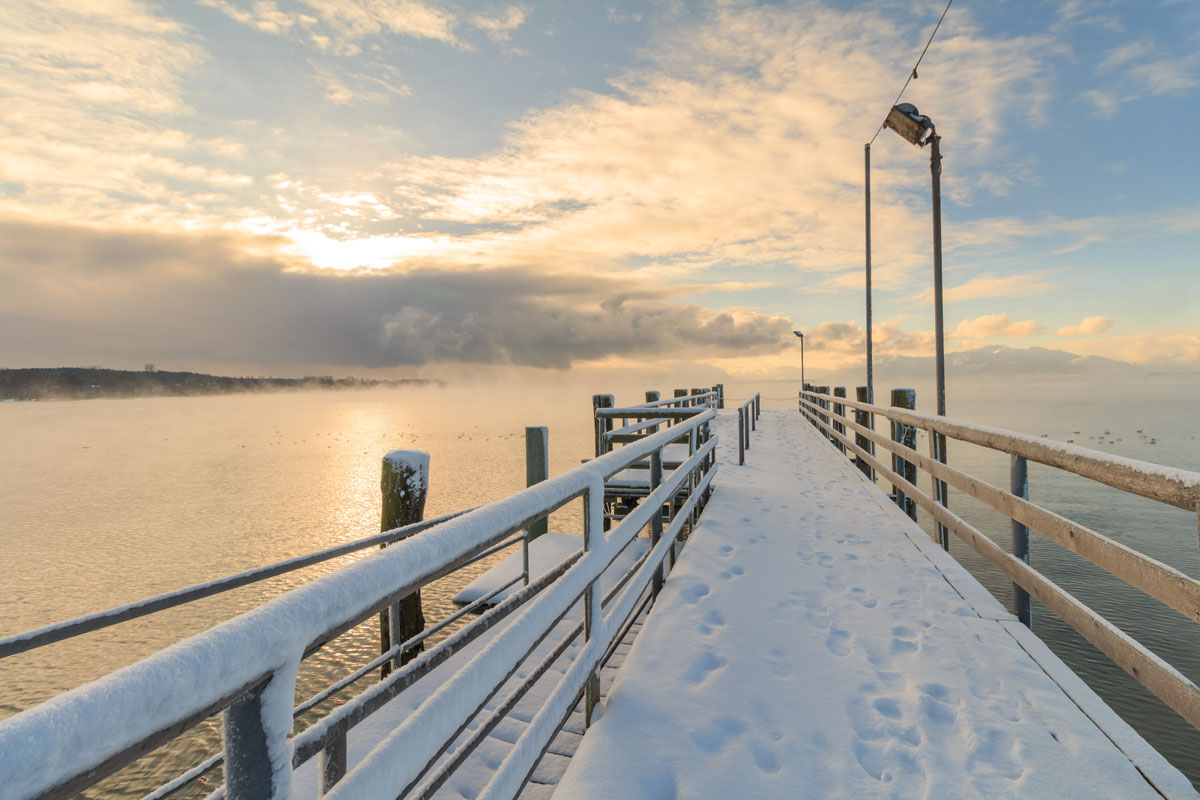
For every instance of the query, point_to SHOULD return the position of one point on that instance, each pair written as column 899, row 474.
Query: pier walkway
column 812, row 641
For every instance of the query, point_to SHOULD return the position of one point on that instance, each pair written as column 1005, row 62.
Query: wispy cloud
column 499, row 26
column 1141, row 68
column 996, row 326
column 1090, row 326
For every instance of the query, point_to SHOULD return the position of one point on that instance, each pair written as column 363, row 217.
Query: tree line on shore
column 80, row 383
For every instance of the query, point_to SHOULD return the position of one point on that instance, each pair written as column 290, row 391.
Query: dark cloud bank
column 73, row 294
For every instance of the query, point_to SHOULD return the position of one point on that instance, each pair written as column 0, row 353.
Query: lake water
column 108, row 501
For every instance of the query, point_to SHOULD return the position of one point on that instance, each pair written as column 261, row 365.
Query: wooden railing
column 245, row 669
column 1164, row 583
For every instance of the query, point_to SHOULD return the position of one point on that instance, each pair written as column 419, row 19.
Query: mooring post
column 603, row 426
column 537, row 469
column 405, row 485
column 1019, row 485
column 652, row 397
column 720, row 387
column 682, row 393
column 839, row 410
column 907, row 436
column 860, row 417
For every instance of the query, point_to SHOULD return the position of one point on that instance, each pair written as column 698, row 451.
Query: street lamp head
column 905, row 120
column 798, row 333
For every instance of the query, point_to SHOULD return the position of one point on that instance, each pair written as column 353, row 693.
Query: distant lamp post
column 803, row 385
column 918, row 129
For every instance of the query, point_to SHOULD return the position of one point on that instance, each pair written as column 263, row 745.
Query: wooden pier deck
column 813, row 641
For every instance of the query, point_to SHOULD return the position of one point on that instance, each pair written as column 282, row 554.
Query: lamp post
column 918, row 129
column 803, row 385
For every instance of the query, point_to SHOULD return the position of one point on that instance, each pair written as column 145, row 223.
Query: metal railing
column 246, row 668
column 1160, row 581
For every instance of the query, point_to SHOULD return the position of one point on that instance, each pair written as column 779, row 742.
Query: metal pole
column 803, row 385
column 935, row 167
column 870, row 360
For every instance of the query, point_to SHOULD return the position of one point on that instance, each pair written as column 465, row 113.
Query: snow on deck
column 813, row 642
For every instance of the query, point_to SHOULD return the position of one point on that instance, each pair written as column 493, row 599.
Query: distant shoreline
column 90, row 383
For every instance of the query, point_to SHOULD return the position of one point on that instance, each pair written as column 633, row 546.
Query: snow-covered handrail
column 1158, row 580
column 39, row 637
column 1177, row 487
column 248, row 665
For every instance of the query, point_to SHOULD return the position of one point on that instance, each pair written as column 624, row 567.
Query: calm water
column 104, row 502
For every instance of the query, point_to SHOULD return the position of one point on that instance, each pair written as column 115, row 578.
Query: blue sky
column 402, row 185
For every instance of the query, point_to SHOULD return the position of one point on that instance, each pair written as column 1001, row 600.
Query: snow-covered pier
column 813, row 641
column 808, row 640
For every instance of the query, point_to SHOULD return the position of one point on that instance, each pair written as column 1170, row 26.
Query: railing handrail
column 55, row 743
column 98, row 620
column 1176, row 487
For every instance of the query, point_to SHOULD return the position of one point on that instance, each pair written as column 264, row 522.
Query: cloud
column 1090, row 326
column 987, row 285
column 75, row 294
column 994, row 326
column 499, row 27
column 1138, row 69
column 341, row 24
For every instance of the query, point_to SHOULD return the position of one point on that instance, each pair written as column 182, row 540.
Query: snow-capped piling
column 603, row 426
column 907, row 436
column 405, row 485
column 537, row 469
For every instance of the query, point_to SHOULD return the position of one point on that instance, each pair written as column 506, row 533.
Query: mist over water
column 109, row 501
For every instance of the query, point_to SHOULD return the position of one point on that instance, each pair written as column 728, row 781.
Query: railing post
column 656, row 521
column 1019, row 485
column 681, row 393
column 405, row 485
column 741, row 435
column 332, row 764
column 593, row 613
column 937, row 451
column 248, row 773
column 907, row 436
column 839, row 410
column 757, row 404
column 861, row 417
column 720, row 395
column 754, row 413
column 537, row 469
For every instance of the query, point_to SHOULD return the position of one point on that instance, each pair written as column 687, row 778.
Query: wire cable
column 913, row 73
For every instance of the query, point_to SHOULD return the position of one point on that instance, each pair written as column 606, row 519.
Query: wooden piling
column 720, row 390
column 603, row 426
column 652, row 397
column 907, row 436
column 862, row 418
column 839, row 409
column 405, row 486
column 537, row 469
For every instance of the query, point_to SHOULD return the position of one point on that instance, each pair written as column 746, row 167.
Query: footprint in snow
column 716, row 734
column 724, row 550
column 839, row 642
column 705, row 664
column 693, row 593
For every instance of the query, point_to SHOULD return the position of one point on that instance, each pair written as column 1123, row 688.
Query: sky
column 408, row 187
